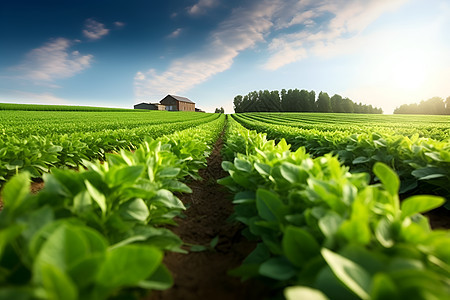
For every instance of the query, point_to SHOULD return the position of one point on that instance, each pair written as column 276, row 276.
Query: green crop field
column 334, row 204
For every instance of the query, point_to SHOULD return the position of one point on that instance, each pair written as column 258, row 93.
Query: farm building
column 150, row 106
column 177, row 103
column 170, row 103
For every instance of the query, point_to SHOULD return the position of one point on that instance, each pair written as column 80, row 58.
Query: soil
column 439, row 218
column 203, row 275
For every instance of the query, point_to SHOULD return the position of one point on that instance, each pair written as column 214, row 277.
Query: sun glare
column 405, row 68
column 408, row 70
column 401, row 61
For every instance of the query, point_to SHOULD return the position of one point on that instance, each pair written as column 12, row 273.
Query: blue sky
column 119, row 53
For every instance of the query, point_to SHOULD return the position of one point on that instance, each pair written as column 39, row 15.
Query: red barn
column 177, row 103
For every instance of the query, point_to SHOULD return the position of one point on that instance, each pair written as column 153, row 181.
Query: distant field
column 417, row 147
column 25, row 123
column 37, row 140
column 435, row 127
column 14, row 106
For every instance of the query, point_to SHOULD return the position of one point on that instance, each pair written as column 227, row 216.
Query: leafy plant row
column 37, row 154
column 422, row 164
column 326, row 233
column 97, row 233
column 435, row 127
column 25, row 123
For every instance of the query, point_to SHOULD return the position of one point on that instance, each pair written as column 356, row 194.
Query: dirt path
column 203, row 275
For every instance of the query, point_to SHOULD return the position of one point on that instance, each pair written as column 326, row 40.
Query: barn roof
column 182, row 99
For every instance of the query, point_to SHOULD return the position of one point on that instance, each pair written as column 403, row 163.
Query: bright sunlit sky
column 119, row 53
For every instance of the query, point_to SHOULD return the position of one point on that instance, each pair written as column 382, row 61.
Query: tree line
column 433, row 106
column 294, row 100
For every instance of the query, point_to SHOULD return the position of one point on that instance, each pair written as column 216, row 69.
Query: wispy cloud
column 202, row 6
column 315, row 27
column 242, row 30
column 94, row 30
column 15, row 96
column 176, row 33
column 54, row 60
column 119, row 24
column 323, row 38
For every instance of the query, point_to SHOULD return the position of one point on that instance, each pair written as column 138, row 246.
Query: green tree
column 238, row 104
column 336, row 103
column 347, row 105
column 323, row 102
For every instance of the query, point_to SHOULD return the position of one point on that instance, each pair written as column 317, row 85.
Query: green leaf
column 177, row 186
column 384, row 233
column 420, row 204
column 85, row 271
column 303, row 292
column 198, row 248
column 350, row 274
column 167, row 199
column 124, row 175
column 17, row 293
column 356, row 230
column 15, row 190
column 388, row 177
column 243, row 165
column 383, row 288
column 244, row 197
column 360, row 160
column 82, row 202
column 428, row 173
column 98, row 197
column 57, row 284
column 227, row 166
column 66, row 246
column 169, row 172
column 293, row 173
column 299, row 246
column 213, row 242
column 330, row 223
column 161, row 279
column 134, row 210
column 128, row 265
column 269, row 205
column 9, row 234
column 278, row 268
column 262, row 169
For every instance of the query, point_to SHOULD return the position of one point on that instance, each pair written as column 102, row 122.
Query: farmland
column 329, row 205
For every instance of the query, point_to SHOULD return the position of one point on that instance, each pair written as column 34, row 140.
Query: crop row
column 422, row 164
column 96, row 233
column 435, row 127
column 323, row 232
column 37, row 153
column 26, row 123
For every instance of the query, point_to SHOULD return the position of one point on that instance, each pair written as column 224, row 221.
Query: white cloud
column 349, row 19
column 119, row 24
column 251, row 24
column 176, row 33
column 242, row 30
column 201, row 7
column 53, row 61
column 94, row 30
column 15, row 96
